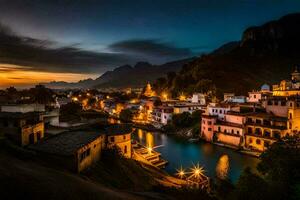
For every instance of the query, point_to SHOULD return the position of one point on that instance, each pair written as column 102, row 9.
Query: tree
column 42, row 95
column 250, row 186
column 196, row 116
column 281, row 162
column 70, row 111
column 182, row 120
column 126, row 115
column 280, row 170
column 157, row 102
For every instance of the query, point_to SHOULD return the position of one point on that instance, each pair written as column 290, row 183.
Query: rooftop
column 229, row 124
column 66, row 143
column 118, row 129
column 18, row 115
column 267, row 116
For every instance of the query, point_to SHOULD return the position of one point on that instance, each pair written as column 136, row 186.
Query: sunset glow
column 21, row 76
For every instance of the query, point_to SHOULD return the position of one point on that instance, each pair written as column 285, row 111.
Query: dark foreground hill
column 265, row 54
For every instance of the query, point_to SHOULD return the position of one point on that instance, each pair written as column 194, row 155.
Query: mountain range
column 125, row 76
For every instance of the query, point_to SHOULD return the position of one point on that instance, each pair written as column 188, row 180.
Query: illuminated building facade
column 288, row 87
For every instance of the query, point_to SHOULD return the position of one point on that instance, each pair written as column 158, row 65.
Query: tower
column 148, row 90
column 296, row 75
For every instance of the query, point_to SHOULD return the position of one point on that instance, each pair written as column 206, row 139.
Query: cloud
column 150, row 47
column 42, row 55
column 47, row 56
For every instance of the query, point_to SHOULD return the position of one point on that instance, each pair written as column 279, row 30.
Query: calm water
column 216, row 160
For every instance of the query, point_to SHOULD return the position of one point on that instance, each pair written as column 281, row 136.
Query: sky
column 70, row 40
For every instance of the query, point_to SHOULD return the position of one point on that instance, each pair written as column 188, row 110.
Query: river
column 216, row 160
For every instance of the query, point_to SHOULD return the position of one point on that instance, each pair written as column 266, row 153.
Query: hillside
column 265, row 54
column 125, row 76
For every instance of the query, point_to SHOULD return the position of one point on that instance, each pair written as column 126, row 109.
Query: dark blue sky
column 152, row 30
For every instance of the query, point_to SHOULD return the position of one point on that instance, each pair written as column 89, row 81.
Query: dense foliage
column 126, row 115
column 70, row 112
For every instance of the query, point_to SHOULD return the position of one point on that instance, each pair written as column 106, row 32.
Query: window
column 258, row 131
column 209, row 129
column 238, row 132
column 203, row 121
column 266, row 122
column 220, row 111
column 85, row 154
column 125, row 149
column 290, row 115
column 291, row 104
column 38, row 135
column 225, row 131
column 276, row 103
column 283, row 103
column 219, row 129
column 232, row 131
column 269, row 103
column 267, row 133
column 266, row 144
column 124, row 137
column 255, row 96
column 258, row 141
column 250, row 130
column 112, row 139
column 209, row 122
column 276, row 134
column 258, row 121
column 249, row 120
column 250, row 140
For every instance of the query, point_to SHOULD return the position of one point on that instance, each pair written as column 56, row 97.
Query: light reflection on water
column 217, row 161
column 222, row 167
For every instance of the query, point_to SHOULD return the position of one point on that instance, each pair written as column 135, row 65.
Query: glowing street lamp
column 198, row 172
column 164, row 95
column 182, row 97
column 180, row 172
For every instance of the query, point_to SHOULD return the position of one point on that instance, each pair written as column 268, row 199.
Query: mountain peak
column 142, row 65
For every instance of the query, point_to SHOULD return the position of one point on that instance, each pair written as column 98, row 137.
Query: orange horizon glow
column 20, row 76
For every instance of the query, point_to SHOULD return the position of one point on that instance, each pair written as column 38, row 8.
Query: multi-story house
column 162, row 114
column 22, row 128
column 263, row 129
column 231, row 130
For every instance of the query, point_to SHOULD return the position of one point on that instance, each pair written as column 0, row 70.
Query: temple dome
column 265, row 87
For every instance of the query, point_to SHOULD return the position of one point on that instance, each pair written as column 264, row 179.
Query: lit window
column 258, row 141
column 112, row 139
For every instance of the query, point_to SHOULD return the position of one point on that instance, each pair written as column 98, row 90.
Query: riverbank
column 179, row 152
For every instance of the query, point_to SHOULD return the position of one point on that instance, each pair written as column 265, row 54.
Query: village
column 248, row 124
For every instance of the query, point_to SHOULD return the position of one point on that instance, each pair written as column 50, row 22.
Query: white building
column 236, row 99
column 218, row 109
column 23, row 108
column 188, row 107
column 162, row 114
column 254, row 97
column 198, row 98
